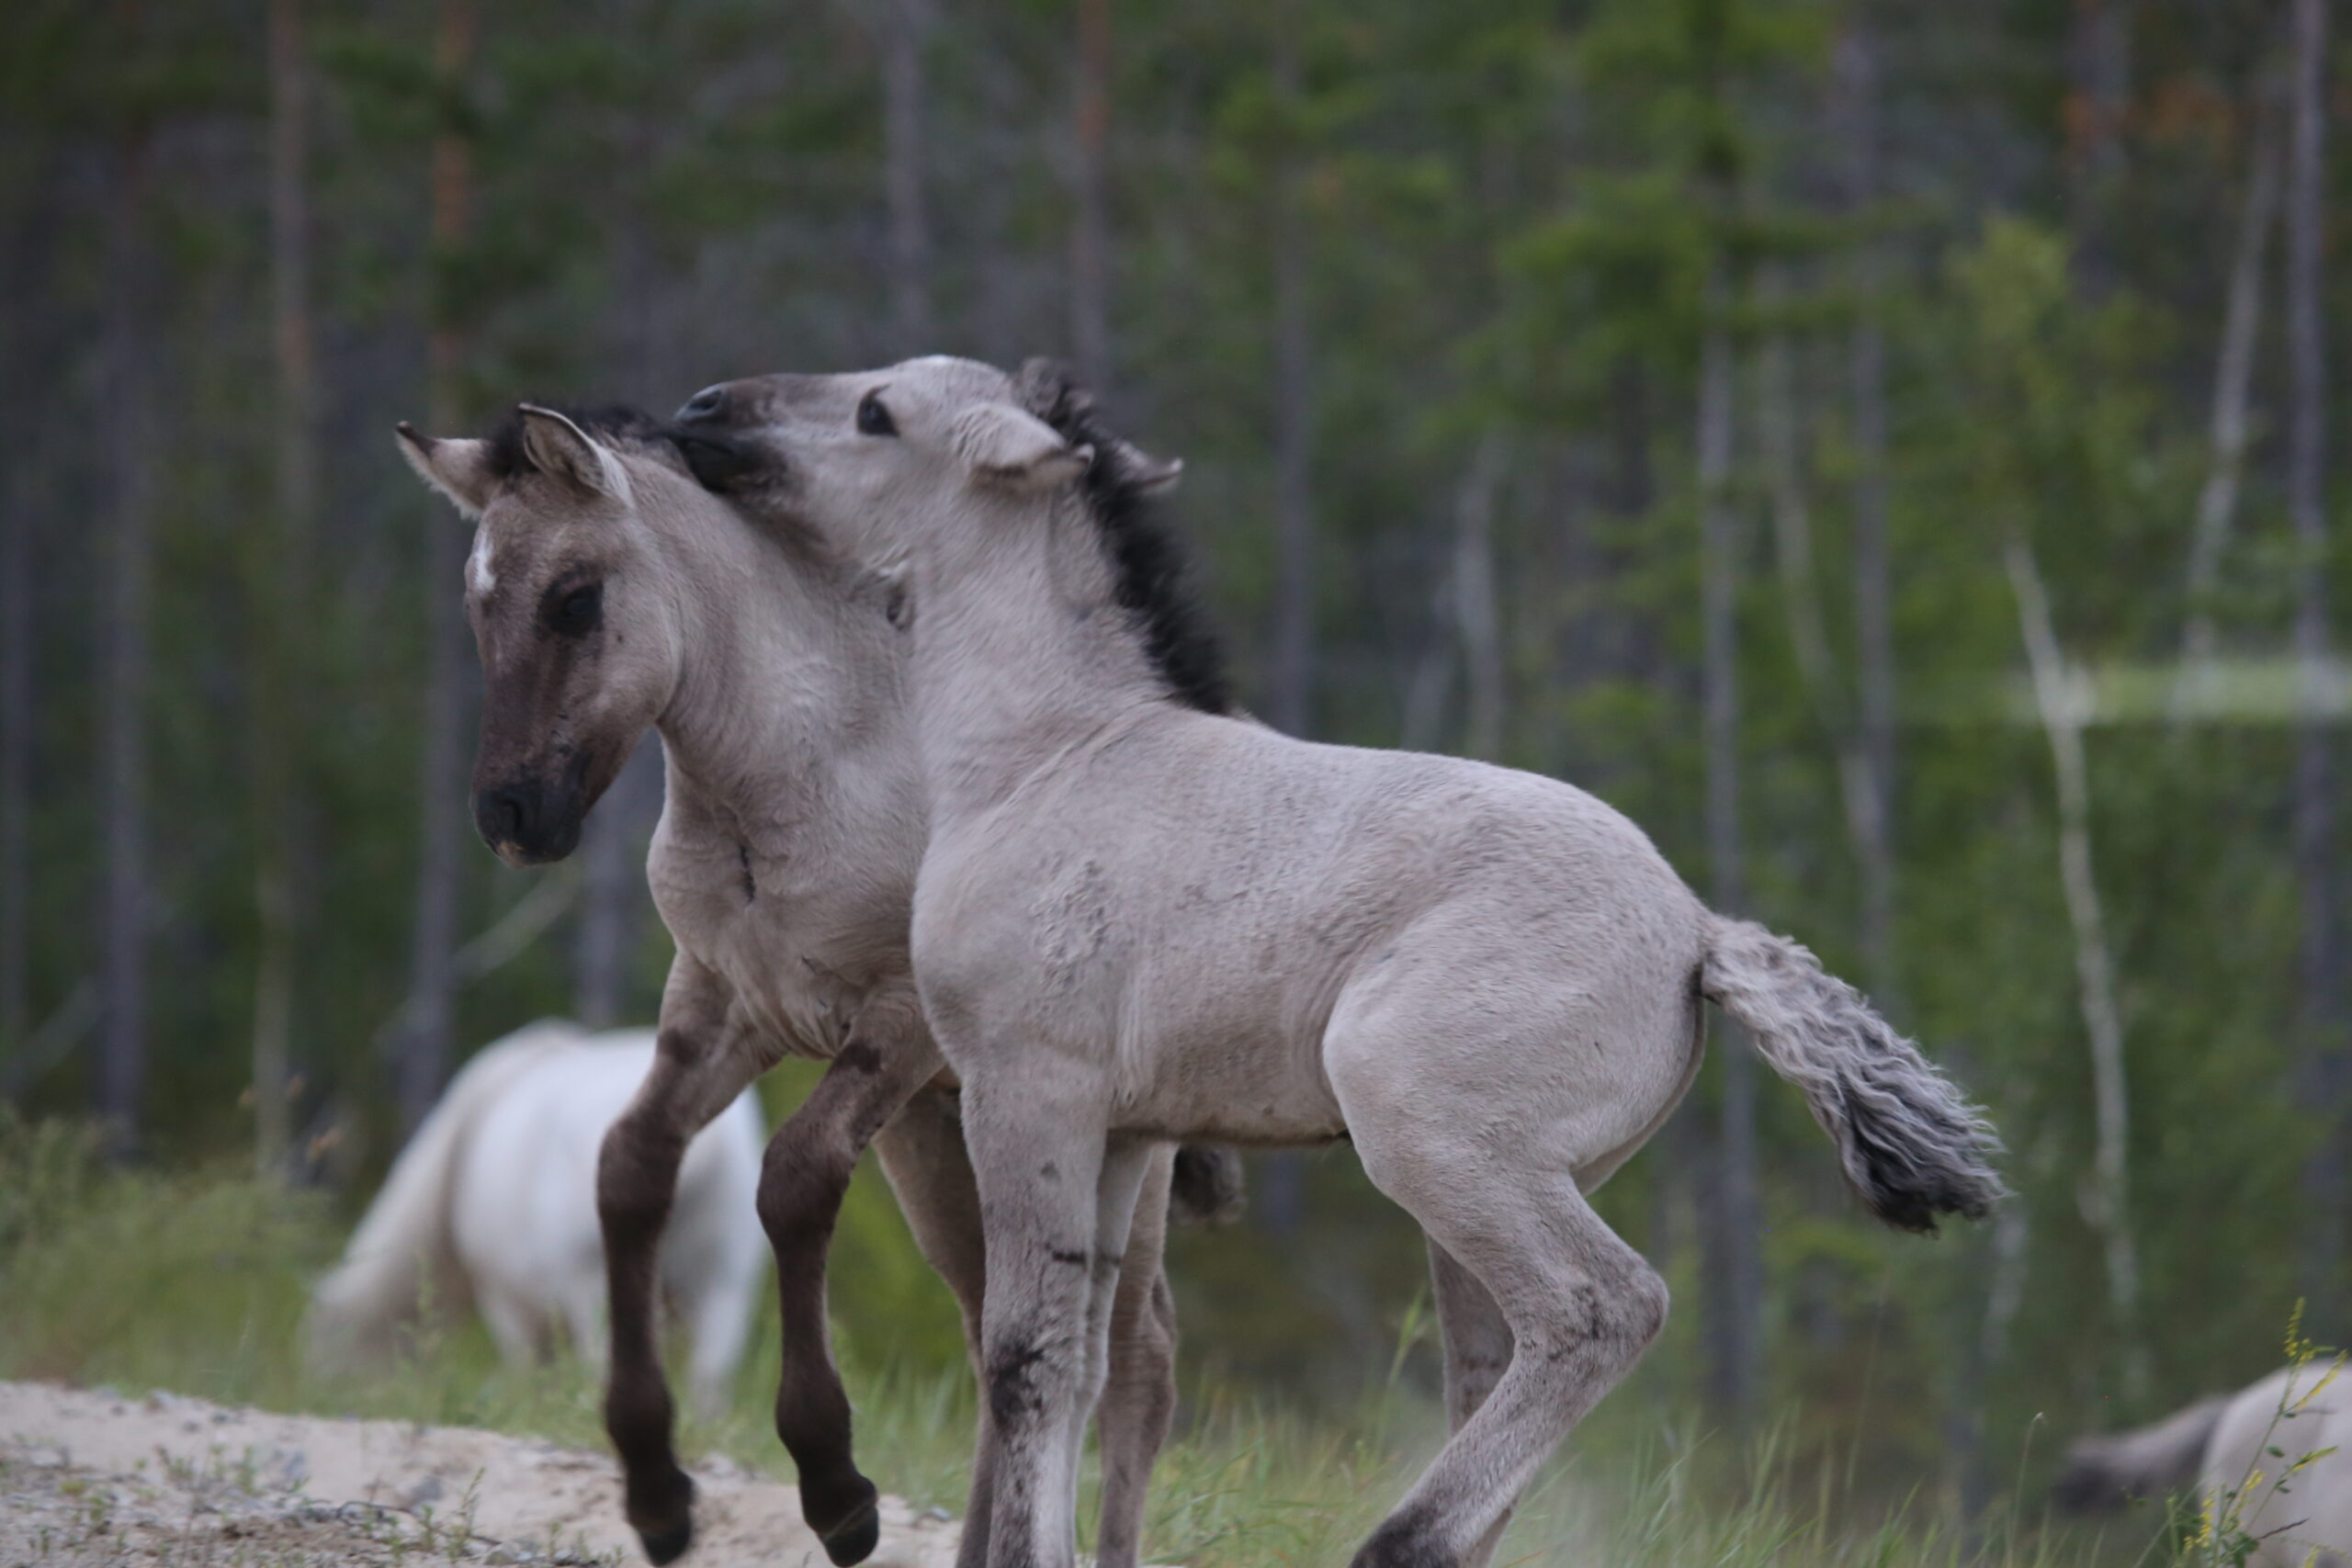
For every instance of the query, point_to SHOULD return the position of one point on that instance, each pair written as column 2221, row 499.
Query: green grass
column 196, row 1282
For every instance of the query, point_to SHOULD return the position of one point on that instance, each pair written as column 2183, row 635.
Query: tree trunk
column 2094, row 968
column 1090, row 239
column 1291, row 708
column 2232, row 384
column 1734, row 1296
column 1873, row 818
column 1477, row 612
column 16, row 599
column 2321, row 1035
column 2098, row 70
column 614, row 899
column 1778, row 420
column 26, row 499
column 276, row 585
column 442, row 784
column 904, row 100
column 123, row 644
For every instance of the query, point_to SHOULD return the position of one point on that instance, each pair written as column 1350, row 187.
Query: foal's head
column 879, row 461
column 576, row 620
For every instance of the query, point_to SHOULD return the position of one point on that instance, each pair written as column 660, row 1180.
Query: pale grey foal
column 610, row 592
column 1136, row 922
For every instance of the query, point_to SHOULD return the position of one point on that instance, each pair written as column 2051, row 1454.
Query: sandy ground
column 92, row 1477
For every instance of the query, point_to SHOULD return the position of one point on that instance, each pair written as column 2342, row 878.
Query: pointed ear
column 561, row 450
column 458, row 469
column 1152, row 476
column 999, row 443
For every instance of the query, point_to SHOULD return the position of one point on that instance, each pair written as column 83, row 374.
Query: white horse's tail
column 2157, row 1461
column 1910, row 1144
column 402, row 1242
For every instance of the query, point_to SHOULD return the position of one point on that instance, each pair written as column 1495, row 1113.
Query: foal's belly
column 1238, row 1063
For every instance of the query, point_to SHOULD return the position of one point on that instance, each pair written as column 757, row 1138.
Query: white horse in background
column 493, row 1202
column 2272, row 1461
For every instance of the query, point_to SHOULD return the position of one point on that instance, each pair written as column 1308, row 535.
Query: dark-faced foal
column 610, row 592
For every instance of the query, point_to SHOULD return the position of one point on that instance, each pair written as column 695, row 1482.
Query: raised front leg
column 700, row 1065
column 889, row 1055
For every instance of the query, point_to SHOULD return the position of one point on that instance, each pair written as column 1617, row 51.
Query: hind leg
column 1139, row 1390
column 700, row 1064
column 1491, row 1178
column 922, row 1153
column 1477, row 1352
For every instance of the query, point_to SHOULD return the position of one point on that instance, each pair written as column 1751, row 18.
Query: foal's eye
column 576, row 613
column 873, row 419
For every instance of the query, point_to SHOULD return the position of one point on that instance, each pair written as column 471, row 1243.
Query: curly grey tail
column 1911, row 1145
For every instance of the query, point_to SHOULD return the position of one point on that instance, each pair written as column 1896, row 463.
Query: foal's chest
column 800, row 959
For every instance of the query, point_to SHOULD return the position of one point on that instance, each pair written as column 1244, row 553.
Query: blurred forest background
column 1884, row 446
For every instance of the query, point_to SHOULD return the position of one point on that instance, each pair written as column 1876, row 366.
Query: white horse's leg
column 1139, row 1395
column 718, row 1319
column 1501, row 1199
column 581, row 1299
column 1477, row 1352
column 515, row 1325
column 1039, row 1159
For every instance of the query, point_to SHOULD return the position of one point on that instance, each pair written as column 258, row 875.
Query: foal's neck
column 785, row 677
column 1021, row 653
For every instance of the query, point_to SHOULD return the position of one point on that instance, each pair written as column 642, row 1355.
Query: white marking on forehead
column 479, row 577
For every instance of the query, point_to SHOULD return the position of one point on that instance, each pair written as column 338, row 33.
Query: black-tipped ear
column 458, row 469
column 561, row 450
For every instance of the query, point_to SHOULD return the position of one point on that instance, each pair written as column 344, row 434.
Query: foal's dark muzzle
column 530, row 822
column 704, row 431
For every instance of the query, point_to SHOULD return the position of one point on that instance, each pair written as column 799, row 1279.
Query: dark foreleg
column 700, row 1066
column 889, row 1055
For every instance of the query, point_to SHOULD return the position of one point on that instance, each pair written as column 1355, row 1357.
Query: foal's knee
column 637, row 1172
column 802, row 1182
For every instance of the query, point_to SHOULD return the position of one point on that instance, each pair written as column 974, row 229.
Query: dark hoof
column 854, row 1539
column 666, row 1546
column 665, row 1524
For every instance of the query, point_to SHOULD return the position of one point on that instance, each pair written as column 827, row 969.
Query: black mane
column 619, row 422
column 1155, row 580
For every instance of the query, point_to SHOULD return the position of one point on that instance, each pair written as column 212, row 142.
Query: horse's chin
column 523, row 859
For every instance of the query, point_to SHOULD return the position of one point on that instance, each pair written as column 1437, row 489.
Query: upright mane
column 1155, row 580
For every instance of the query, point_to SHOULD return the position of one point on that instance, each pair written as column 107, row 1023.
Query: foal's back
column 1212, row 893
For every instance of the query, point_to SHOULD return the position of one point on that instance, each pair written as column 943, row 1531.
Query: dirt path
column 92, row 1477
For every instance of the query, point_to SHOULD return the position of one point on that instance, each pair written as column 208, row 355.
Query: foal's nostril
column 708, row 403
column 502, row 816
